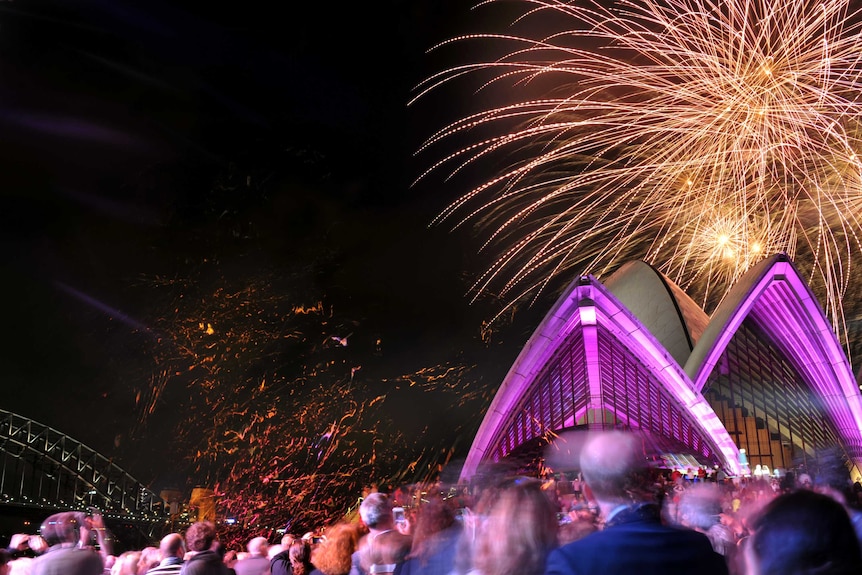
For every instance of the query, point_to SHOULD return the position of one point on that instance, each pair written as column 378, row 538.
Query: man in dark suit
column 634, row 539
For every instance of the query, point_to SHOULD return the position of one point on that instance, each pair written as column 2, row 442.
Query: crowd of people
column 619, row 515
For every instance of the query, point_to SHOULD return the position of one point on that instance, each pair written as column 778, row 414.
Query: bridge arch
column 45, row 468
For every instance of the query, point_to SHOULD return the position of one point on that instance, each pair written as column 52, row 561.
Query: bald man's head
column 172, row 545
column 616, row 468
column 258, row 546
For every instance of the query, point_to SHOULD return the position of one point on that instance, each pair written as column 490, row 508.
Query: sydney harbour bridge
column 44, row 470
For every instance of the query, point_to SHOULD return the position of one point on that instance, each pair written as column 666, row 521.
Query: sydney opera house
column 761, row 385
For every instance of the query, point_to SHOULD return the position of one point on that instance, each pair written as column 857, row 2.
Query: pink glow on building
column 591, row 355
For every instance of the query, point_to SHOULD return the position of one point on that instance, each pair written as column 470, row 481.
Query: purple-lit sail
column 596, row 361
column 776, row 301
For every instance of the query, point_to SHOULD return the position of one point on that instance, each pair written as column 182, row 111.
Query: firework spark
column 286, row 429
column 699, row 136
column 259, row 385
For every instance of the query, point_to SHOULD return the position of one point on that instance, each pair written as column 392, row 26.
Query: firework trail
column 699, row 136
column 259, row 386
column 276, row 415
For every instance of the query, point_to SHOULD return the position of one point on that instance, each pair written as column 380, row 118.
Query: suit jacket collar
column 639, row 512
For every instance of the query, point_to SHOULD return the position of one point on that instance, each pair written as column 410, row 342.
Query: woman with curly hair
column 333, row 555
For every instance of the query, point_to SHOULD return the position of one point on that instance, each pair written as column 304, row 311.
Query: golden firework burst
column 699, row 136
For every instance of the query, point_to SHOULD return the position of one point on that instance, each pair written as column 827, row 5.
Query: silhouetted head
column 5, row 559
column 803, row 533
column 63, row 527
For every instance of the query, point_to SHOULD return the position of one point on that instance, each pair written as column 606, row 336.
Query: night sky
column 146, row 145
